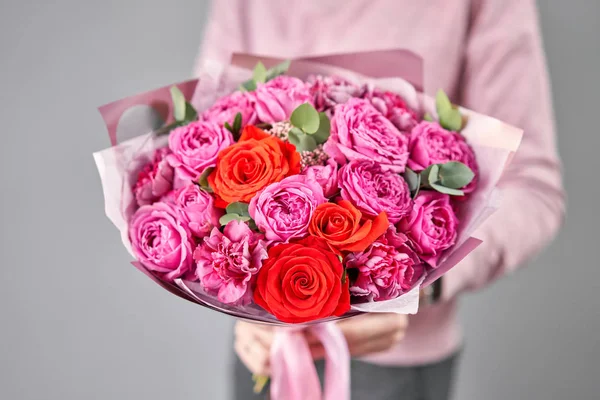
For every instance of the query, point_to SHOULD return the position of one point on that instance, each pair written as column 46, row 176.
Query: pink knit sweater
column 488, row 56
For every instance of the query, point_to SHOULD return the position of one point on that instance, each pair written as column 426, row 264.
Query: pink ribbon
column 293, row 372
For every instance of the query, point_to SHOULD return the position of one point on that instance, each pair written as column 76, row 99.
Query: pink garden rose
column 432, row 144
column 283, row 209
column 278, row 98
column 154, row 180
column 393, row 107
column 326, row 176
column 227, row 263
column 431, row 226
column 373, row 190
column 329, row 91
column 226, row 108
column 196, row 208
column 195, row 147
column 385, row 270
column 160, row 240
column 360, row 132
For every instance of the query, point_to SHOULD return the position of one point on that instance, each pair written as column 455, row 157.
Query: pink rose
column 373, row 190
column 431, row 226
column 226, row 108
column 432, row 144
column 195, row 147
column 329, row 91
column 360, row 132
column 196, row 208
column 227, row 263
column 384, row 271
column 393, row 107
column 278, row 98
column 324, row 175
column 154, row 180
column 160, row 240
column 283, row 209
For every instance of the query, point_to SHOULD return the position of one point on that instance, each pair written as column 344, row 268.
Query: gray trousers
column 373, row 382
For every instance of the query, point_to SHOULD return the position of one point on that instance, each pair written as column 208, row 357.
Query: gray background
column 79, row 323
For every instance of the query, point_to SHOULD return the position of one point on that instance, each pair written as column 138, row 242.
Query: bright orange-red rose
column 341, row 226
column 302, row 281
column 254, row 162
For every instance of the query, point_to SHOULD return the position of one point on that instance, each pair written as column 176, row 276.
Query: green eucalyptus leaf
column 443, row 189
column 238, row 208
column 428, row 117
column 248, row 86
column 306, row 118
column 190, row 112
column 455, row 175
column 203, row 179
column 442, row 102
column 260, row 73
column 227, row 218
column 412, row 179
column 322, row 133
column 164, row 130
column 277, row 70
column 433, row 174
column 301, row 140
column 179, row 103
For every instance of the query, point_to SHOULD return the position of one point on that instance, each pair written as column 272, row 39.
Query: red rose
column 302, row 281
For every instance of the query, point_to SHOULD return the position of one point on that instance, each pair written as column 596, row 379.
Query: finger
column 264, row 333
column 254, row 356
column 376, row 345
column 371, row 326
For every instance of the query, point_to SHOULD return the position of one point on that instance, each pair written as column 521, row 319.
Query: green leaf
column 179, row 105
column 442, row 102
column 428, row 117
column 413, row 180
column 455, row 175
column 227, row 218
column 164, row 130
column 443, row 189
column 452, row 120
column 432, row 175
column 306, row 118
column 301, row 140
column 228, row 127
column 238, row 208
column 322, row 133
column 260, row 73
column 248, row 86
column 277, row 70
column 203, row 179
column 190, row 112
column 237, row 123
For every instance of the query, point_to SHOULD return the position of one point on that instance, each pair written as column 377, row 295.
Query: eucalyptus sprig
column 237, row 211
column 446, row 178
column 261, row 74
column 183, row 112
column 203, row 180
column 310, row 128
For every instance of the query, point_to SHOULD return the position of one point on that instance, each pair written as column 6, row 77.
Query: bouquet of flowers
column 300, row 193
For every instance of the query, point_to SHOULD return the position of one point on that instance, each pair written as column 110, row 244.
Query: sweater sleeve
column 505, row 76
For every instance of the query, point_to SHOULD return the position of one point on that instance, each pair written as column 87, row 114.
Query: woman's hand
column 366, row 333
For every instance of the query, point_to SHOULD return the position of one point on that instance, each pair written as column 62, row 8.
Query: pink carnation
column 278, row 98
column 160, row 240
column 373, row 190
column 195, row 147
column 360, row 132
column 227, row 263
column 431, row 226
column 329, row 91
column 196, row 208
column 283, row 209
column 226, row 108
column 154, row 180
column 393, row 107
column 385, row 270
column 432, row 144
column 326, row 176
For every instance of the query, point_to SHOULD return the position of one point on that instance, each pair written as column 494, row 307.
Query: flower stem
column 260, row 381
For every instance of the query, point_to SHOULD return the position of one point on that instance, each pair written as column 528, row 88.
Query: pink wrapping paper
column 400, row 71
